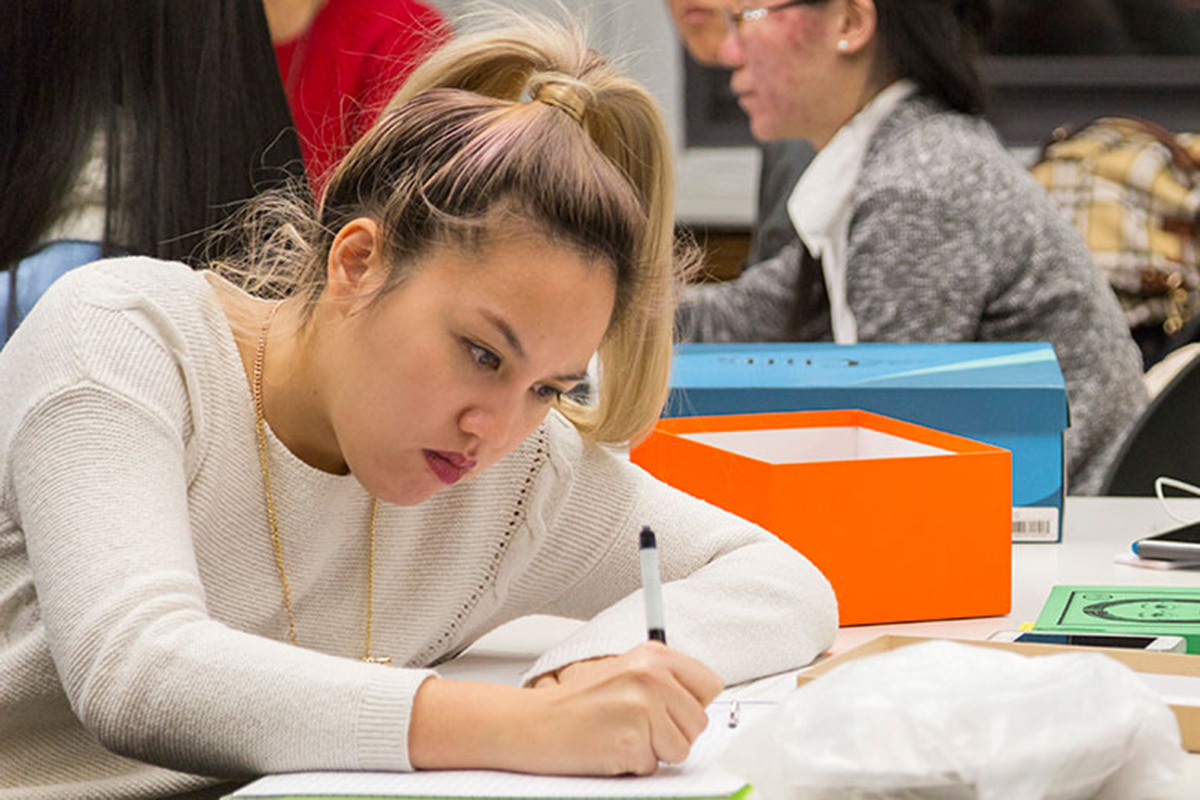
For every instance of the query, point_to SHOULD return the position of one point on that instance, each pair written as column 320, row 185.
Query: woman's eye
column 484, row 357
column 548, row 394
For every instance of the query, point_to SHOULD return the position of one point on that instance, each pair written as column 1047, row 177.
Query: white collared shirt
column 821, row 203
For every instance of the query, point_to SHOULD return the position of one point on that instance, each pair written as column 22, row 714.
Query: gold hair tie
column 562, row 97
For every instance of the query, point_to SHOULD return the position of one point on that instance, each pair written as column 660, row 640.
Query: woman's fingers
column 669, row 740
column 693, row 677
column 615, row 715
column 700, row 681
column 690, row 718
column 667, row 693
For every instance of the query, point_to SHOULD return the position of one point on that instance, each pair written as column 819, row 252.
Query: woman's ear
column 858, row 25
column 355, row 270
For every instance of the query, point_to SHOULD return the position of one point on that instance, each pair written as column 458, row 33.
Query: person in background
column 238, row 530
column 702, row 25
column 915, row 223
column 340, row 61
column 130, row 126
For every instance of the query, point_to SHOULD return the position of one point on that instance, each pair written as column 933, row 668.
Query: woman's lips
column 447, row 466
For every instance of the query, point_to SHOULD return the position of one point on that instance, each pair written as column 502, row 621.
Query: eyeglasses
column 734, row 19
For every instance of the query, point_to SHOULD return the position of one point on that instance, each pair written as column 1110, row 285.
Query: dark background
column 1048, row 63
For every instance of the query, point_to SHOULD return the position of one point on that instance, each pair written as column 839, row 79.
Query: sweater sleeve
column 101, row 494
column 735, row 597
column 753, row 308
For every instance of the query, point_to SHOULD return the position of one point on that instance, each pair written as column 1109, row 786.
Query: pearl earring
column 843, row 45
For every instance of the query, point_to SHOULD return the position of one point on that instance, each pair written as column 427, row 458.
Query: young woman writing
column 241, row 518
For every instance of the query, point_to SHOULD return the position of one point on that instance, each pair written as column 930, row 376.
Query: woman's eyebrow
column 514, row 342
column 506, row 331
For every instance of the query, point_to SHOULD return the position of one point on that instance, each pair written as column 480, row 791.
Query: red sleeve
column 402, row 46
column 340, row 73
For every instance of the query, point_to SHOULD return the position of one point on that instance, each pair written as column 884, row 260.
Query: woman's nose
column 492, row 424
column 729, row 54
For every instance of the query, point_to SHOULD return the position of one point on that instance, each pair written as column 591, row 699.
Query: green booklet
column 1145, row 610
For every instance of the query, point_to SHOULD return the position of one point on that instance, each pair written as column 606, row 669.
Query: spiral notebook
column 697, row 778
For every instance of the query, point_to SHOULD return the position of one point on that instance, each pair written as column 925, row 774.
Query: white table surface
column 1095, row 531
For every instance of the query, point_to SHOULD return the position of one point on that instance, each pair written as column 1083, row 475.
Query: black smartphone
column 1157, row 644
column 1179, row 544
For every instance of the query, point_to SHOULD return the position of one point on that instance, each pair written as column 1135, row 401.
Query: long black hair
column 184, row 95
column 934, row 43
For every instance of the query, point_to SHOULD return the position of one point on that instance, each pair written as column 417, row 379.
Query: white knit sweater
column 142, row 633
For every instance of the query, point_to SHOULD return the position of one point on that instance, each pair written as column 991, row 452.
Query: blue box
column 1008, row 394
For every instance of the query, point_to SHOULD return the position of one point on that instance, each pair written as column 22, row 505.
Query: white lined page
column 697, row 777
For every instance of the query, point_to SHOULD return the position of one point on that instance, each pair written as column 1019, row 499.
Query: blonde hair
column 523, row 127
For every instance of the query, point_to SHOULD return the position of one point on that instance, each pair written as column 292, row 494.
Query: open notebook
column 698, row 777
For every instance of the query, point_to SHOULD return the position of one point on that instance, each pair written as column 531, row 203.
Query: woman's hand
column 554, row 678
column 608, row 716
column 626, row 714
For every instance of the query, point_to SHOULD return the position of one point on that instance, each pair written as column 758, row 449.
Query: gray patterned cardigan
column 951, row 240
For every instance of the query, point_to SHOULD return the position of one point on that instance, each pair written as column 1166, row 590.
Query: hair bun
column 561, row 92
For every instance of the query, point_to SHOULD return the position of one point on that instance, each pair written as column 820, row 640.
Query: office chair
column 1164, row 441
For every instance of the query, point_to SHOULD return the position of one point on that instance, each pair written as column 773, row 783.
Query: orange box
column 906, row 522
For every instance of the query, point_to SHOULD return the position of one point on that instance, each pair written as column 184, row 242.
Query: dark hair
column 933, row 43
column 184, row 94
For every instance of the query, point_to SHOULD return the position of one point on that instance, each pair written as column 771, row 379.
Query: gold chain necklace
column 272, row 519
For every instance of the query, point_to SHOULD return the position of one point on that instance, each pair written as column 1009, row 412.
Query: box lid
column 962, row 386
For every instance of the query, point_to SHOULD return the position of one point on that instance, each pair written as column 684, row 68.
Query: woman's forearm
column 621, row 715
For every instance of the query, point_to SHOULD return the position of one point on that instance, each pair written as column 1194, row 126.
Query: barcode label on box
column 1034, row 524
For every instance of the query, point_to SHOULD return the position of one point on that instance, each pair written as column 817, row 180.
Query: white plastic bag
column 948, row 721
